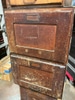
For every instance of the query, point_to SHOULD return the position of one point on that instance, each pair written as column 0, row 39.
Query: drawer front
column 31, row 95
column 27, row 2
column 40, row 76
column 41, row 33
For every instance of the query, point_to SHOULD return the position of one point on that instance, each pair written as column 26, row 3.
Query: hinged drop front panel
column 42, row 33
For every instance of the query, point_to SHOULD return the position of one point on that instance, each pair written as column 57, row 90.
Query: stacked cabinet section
column 42, row 33
column 39, row 41
column 37, row 75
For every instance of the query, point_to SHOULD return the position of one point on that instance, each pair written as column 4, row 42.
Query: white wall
column 2, row 23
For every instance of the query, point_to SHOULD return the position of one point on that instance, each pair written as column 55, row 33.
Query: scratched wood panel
column 33, row 36
column 27, row 94
column 41, row 33
column 40, row 76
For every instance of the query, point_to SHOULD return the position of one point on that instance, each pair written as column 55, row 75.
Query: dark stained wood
column 40, row 76
column 42, row 33
column 31, row 95
column 4, row 3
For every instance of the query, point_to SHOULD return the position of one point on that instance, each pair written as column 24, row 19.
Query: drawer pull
column 40, row 52
column 26, row 50
column 32, row 17
column 36, row 65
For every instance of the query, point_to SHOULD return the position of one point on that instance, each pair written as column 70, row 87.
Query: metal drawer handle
column 29, row 1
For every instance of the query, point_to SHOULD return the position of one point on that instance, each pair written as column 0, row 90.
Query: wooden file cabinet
column 39, row 41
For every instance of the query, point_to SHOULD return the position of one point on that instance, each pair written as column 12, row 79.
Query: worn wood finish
column 36, row 36
column 40, row 76
column 42, row 33
column 29, row 2
column 31, row 95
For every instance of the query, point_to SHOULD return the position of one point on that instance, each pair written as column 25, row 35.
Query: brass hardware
column 26, row 50
column 40, row 52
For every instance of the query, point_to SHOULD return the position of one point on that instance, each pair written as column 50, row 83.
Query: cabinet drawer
column 41, row 33
column 40, row 76
column 31, row 95
column 28, row 2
